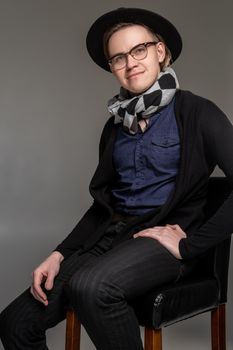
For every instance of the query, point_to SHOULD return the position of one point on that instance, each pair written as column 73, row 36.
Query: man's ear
column 161, row 51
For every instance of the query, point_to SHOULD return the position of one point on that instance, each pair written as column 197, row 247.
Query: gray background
column 53, row 107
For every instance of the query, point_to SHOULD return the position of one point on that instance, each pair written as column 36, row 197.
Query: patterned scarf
column 130, row 110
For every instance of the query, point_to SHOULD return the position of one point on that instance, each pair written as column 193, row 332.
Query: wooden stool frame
column 152, row 337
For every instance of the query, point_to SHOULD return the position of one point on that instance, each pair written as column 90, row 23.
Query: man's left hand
column 169, row 236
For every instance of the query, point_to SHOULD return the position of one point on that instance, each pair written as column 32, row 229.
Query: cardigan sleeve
column 218, row 142
column 75, row 240
column 87, row 225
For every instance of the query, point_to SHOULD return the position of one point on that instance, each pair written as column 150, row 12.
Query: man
column 146, row 223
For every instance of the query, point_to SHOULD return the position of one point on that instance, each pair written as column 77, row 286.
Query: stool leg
column 73, row 331
column 153, row 339
column 218, row 328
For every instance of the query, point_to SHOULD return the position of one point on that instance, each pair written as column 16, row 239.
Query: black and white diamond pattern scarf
column 130, row 110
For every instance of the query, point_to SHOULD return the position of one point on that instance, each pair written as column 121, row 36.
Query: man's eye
column 139, row 50
column 119, row 59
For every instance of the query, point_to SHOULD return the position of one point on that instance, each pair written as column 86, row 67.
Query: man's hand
column 169, row 236
column 45, row 272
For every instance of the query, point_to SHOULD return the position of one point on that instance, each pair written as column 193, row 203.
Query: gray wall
column 52, row 108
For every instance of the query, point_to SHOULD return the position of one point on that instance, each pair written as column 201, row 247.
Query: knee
column 93, row 289
column 81, row 288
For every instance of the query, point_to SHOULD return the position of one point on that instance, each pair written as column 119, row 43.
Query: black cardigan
column 206, row 141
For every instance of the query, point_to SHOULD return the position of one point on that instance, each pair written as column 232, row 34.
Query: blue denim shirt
column 147, row 164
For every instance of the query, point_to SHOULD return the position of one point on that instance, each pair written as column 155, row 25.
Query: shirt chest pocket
column 165, row 153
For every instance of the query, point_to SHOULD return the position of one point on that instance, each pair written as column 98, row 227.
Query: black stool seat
column 175, row 302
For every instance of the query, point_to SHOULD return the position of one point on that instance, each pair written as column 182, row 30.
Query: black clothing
column 101, row 283
column 104, row 267
column 206, row 141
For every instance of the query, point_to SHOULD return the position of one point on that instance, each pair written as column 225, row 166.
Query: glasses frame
column 126, row 54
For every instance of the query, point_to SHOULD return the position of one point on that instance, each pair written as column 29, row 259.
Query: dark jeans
column 100, row 283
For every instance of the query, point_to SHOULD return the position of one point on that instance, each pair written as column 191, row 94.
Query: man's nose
column 130, row 61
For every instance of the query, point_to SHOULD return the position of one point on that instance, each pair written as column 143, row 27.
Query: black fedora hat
column 158, row 25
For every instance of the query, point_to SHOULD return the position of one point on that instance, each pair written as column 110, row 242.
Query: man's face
column 138, row 75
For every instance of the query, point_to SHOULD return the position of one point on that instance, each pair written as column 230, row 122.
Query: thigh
column 134, row 266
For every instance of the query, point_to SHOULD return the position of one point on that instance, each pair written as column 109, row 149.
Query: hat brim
column 158, row 24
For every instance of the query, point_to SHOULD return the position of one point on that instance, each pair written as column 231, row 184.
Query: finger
column 148, row 233
column 39, row 294
column 34, row 294
column 177, row 228
column 174, row 227
column 38, row 279
column 37, row 297
column 169, row 225
column 140, row 234
column 49, row 281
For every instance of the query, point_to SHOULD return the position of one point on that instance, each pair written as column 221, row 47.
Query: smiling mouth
column 134, row 75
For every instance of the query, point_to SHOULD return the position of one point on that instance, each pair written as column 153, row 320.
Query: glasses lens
column 139, row 52
column 119, row 61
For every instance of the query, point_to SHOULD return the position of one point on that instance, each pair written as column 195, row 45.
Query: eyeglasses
column 138, row 52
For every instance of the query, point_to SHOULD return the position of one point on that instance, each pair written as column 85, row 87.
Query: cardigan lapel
column 105, row 174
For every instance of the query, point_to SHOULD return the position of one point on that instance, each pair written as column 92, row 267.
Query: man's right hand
column 45, row 273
